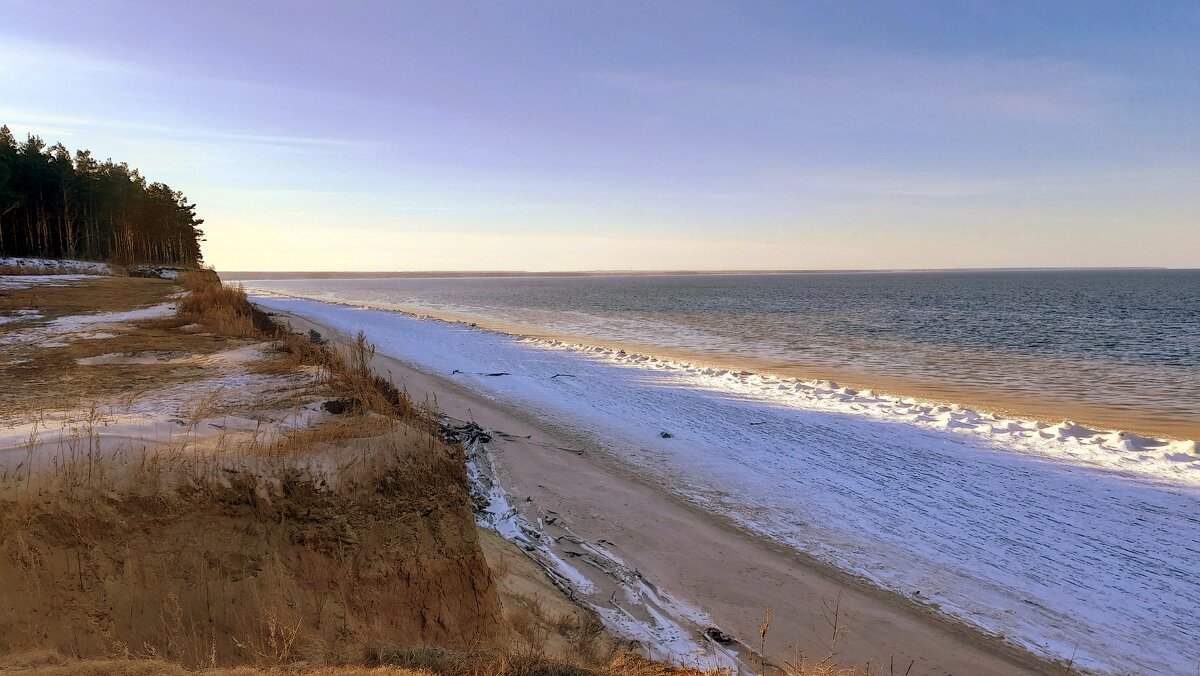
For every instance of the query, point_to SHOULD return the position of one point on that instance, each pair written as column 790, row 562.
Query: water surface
column 1120, row 349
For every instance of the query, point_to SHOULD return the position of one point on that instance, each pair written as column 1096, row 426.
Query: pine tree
column 56, row 205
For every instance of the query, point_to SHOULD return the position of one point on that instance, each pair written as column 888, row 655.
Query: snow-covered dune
column 1071, row 541
column 23, row 273
column 56, row 265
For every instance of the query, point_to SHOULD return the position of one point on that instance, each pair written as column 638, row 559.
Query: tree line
column 55, row 205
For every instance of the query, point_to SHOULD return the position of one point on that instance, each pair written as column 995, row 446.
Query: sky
column 641, row 135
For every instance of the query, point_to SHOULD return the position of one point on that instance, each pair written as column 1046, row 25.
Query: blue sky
column 571, row 135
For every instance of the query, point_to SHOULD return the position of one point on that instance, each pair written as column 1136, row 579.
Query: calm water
column 1120, row 348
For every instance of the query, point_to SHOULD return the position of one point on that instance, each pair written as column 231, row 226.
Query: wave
column 1170, row 459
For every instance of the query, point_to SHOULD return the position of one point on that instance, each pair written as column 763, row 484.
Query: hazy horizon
column 695, row 271
column 668, row 135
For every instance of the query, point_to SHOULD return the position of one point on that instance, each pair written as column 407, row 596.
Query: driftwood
column 718, row 636
column 456, row 431
column 464, row 433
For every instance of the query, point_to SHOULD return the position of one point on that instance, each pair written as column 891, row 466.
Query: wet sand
column 732, row 575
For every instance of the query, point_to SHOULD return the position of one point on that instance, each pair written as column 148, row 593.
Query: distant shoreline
column 1028, row 392
column 982, row 400
column 435, row 274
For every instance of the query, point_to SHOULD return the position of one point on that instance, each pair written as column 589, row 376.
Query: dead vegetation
column 407, row 662
column 223, row 308
column 95, row 294
column 39, row 378
column 250, row 553
column 826, row 665
column 344, row 547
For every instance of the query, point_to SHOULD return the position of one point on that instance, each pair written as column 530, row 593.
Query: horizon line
column 680, row 272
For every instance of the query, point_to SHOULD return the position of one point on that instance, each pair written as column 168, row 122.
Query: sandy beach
column 710, row 564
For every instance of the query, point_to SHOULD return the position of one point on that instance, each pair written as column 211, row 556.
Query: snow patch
column 54, row 266
column 61, row 331
column 19, row 315
column 15, row 282
column 161, row 272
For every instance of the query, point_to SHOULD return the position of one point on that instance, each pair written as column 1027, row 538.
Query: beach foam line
column 1160, row 458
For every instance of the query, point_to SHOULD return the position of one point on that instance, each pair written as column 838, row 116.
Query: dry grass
column 225, row 310
column 38, row 378
column 95, row 294
column 827, row 665
column 263, row 548
column 244, row 554
column 49, row 663
column 221, row 307
column 351, row 373
column 516, row 663
column 407, row 662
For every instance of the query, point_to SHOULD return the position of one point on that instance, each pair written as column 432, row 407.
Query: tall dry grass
column 224, row 309
column 324, row 527
column 426, row 661
column 431, row 659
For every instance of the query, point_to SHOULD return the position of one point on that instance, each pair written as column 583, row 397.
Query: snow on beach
column 1067, row 540
column 644, row 614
